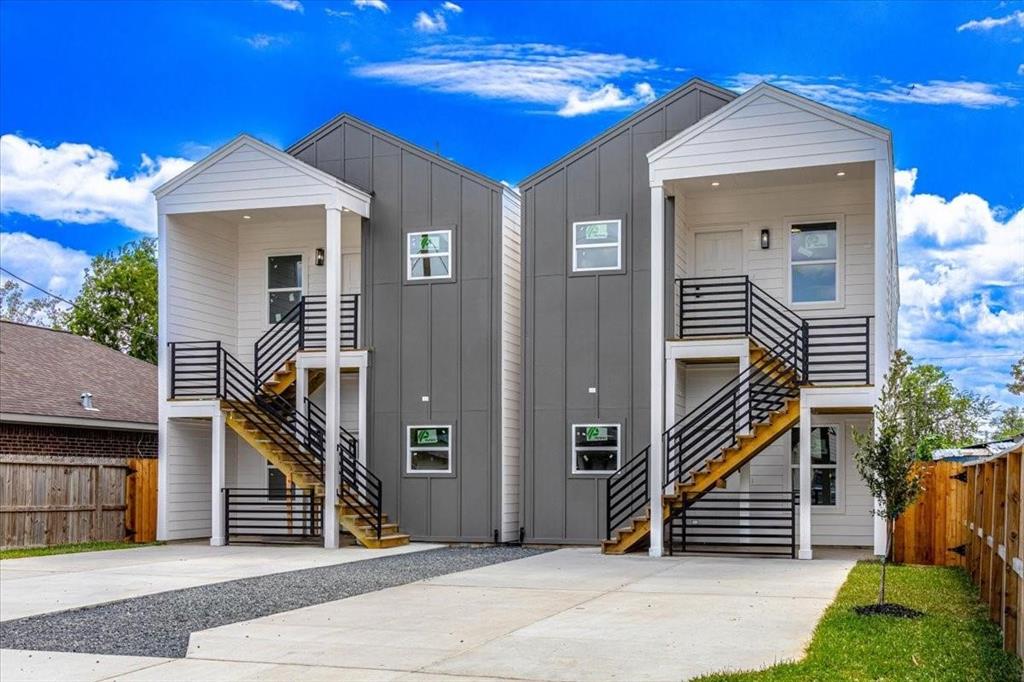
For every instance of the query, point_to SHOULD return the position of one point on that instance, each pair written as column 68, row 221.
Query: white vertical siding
column 511, row 365
column 202, row 256
column 189, row 450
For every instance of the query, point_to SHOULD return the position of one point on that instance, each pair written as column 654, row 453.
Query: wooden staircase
column 354, row 523
column 709, row 476
column 245, row 420
column 282, row 381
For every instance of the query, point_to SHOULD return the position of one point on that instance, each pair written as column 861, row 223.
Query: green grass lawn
column 24, row 552
column 953, row 641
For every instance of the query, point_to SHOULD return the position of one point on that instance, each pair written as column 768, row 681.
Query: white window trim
column 840, row 468
column 408, row 449
column 576, row 248
column 409, row 257
column 840, row 261
column 573, row 448
column 267, row 255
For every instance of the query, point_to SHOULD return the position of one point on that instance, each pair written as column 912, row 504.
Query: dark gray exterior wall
column 591, row 330
column 440, row 340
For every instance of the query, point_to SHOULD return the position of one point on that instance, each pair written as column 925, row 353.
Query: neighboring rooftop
column 44, row 372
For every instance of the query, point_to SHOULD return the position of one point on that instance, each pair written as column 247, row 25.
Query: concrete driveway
column 571, row 614
column 32, row 586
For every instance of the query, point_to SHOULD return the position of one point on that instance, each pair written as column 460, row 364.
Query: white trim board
column 77, row 422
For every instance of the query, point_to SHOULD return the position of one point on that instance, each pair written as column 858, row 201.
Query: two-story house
column 705, row 306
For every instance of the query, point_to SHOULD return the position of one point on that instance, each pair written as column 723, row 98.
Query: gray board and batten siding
column 441, row 339
column 588, row 331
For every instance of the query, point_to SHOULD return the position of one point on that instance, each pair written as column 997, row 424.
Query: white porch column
column 654, row 465
column 883, row 275
column 361, row 416
column 301, row 390
column 805, row 481
column 163, row 375
column 332, row 403
column 218, row 530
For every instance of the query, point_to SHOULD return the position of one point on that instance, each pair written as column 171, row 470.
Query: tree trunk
column 885, row 559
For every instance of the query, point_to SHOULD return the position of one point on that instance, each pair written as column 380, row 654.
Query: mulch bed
column 893, row 610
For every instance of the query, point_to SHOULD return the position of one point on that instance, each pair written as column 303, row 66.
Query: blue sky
column 99, row 102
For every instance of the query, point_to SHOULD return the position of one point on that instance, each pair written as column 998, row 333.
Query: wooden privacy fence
column 53, row 500
column 931, row 531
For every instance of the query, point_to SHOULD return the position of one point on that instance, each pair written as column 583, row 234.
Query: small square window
column 429, row 450
column 595, row 448
column 429, row 255
column 597, row 245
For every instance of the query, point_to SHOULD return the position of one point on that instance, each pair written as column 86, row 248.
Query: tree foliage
column 886, row 458
column 118, row 302
column 1016, row 384
column 937, row 414
column 14, row 307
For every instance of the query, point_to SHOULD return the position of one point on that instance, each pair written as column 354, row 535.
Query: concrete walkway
column 572, row 614
column 33, row 586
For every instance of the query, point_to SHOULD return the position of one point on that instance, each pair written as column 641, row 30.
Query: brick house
column 62, row 395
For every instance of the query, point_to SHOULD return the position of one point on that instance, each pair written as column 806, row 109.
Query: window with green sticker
column 429, row 449
column 429, row 255
column 597, row 245
column 595, row 448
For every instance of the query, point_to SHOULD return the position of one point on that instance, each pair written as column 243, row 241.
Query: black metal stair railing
column 727, row 522
column 749, row 398
column 205, row 370
column 830, row 349
column 261, row 515
column 626, row 492
column 361, row 490
column 304, row 327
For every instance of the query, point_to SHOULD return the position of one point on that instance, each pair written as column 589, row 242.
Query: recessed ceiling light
column 840, row 174
column 715, row 183
column 247, row 217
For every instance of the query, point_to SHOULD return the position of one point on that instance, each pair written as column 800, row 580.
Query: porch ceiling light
column 716, row 183
column 247, row 217
column 319, row 257
column 840, row 174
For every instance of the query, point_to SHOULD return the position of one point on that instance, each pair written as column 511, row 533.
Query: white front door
column 719, row 254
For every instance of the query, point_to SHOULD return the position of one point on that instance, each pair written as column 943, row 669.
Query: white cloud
column 1020, row 70
column 989, row 23
column 451, row 7
column 262, row 41
column 842, row 93
column 430, row 23
column 46, row 263
column 337, row 13
column 568, row 80
column 606, row 97
column 77, row 183
column 961, row 285
column 290, row 5
column 379, row 5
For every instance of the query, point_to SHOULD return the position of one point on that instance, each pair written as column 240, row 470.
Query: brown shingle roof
column 44, row 372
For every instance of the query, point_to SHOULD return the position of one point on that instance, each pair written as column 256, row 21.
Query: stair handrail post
column 685, row 505
column 805, row 354
column 218, row 380
column 227, row 515
column 792, row 523
column 748, row 303
column 302, row 323
column 174, row 363
column 680, row 282
column 867, row 349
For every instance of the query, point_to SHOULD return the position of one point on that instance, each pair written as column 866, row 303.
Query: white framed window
column 429, row 255
column 284, row 285
column 596, row 245
column 815, row 265
column 825, row 458
column 428, row 449
column 595, row 448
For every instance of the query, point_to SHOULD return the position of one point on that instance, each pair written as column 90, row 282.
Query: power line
column 74, row 305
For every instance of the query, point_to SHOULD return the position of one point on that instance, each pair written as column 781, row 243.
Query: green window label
column 426, row 436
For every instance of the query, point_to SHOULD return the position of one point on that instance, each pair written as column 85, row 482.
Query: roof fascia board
column 397, row 141
column 580, row 150
column 54, row 420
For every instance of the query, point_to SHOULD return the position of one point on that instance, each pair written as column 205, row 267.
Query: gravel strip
column 160, row 624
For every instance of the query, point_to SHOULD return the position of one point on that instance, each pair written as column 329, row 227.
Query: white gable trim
column 862, row 141
column 336, row 193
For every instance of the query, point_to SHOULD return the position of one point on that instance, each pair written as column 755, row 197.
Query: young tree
column 14, row 307
column 886, row 458
column 1010, row 423
column 118, row 302
column 937, row 414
